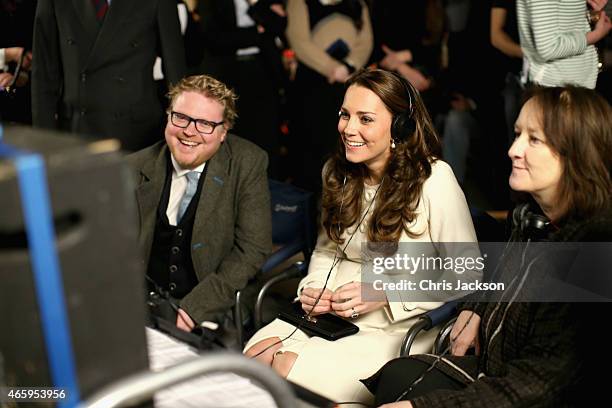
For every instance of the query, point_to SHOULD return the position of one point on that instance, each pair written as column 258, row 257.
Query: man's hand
column 465, row 333
column 347, row 300
column 13, row 54
column 183, row 321
column 309, row 296
column 5, row 79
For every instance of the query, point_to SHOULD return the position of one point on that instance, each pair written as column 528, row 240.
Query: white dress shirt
column 178, row 187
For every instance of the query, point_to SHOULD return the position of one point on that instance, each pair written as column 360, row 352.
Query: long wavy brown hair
column 406, row 171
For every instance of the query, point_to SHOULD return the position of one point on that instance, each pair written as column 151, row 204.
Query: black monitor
column 92, row 219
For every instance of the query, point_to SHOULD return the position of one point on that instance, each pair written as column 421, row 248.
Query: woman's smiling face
column 365, row 128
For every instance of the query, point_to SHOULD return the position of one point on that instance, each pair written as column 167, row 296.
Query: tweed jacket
column 232, row 230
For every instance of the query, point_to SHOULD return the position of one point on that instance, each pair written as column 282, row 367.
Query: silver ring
column 354, row 315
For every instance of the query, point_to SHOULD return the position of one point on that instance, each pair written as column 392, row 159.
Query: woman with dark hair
column 386, row 185
column 527, row 353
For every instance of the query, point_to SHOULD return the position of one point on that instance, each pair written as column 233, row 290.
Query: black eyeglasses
column 202, row 125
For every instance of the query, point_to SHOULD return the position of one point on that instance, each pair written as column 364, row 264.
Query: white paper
column 220, row 390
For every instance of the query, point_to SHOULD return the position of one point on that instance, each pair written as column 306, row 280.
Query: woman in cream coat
column 385, row 185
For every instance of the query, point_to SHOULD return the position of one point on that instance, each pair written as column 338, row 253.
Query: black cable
column 166, row 296
column 448, row 347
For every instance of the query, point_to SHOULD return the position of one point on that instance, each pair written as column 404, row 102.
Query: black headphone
column 403, row 125
column 527, row 223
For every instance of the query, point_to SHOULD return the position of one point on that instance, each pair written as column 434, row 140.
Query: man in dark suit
column 240, row 42
column 93, row 69
column 203, row 202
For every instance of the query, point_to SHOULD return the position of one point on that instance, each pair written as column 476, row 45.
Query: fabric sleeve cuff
column 2, row 60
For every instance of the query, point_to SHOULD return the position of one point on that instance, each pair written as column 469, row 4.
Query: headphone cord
column 335, row 262
column 472, row 313
column 436, row 361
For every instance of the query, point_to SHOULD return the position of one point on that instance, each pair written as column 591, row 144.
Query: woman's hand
column 279, row 9
column 597, row 5
column 340, row 73
column 602, row 27
column 309, row 296
column 5, row 79
column 347, row 300
column 464, row 338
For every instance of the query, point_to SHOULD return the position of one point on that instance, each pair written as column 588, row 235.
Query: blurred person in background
column 509, row 59
column 558, row 42
column 93, row 70
column 241, row 41
column 331, row 39
column 16, row 22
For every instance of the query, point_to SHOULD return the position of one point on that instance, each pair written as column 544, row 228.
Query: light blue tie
column 192, row 185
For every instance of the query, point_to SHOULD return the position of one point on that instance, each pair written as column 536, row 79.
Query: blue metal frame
column 46, row 269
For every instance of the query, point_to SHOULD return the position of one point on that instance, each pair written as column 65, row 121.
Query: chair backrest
column 490, row 234
column 291, row 215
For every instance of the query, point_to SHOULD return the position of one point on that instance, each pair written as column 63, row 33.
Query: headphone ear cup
column 403, row 127
column 527, row 222
column 518, row 215
column 536, row 222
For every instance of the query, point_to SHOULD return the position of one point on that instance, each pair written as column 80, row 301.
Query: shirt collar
column 178, row 171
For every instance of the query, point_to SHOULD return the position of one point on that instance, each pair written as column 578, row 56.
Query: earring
column 392, row 144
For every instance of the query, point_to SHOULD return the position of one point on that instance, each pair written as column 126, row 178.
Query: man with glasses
column 203, row 203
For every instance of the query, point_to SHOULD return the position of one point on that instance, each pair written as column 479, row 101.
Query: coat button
column 173, row 268
column 175, row 250
column 70, row 41
column 83, row 77
column 172, row 286
column 83, row 112
column 179, row 232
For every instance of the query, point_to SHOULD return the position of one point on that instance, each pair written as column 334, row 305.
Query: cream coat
column 333, row 369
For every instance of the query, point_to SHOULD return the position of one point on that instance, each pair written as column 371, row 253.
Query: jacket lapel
column 212, row 191
column 87, row 17
column 148, row 193
column 117, row 11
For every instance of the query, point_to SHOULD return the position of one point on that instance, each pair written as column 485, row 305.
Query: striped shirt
column 553, row 39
